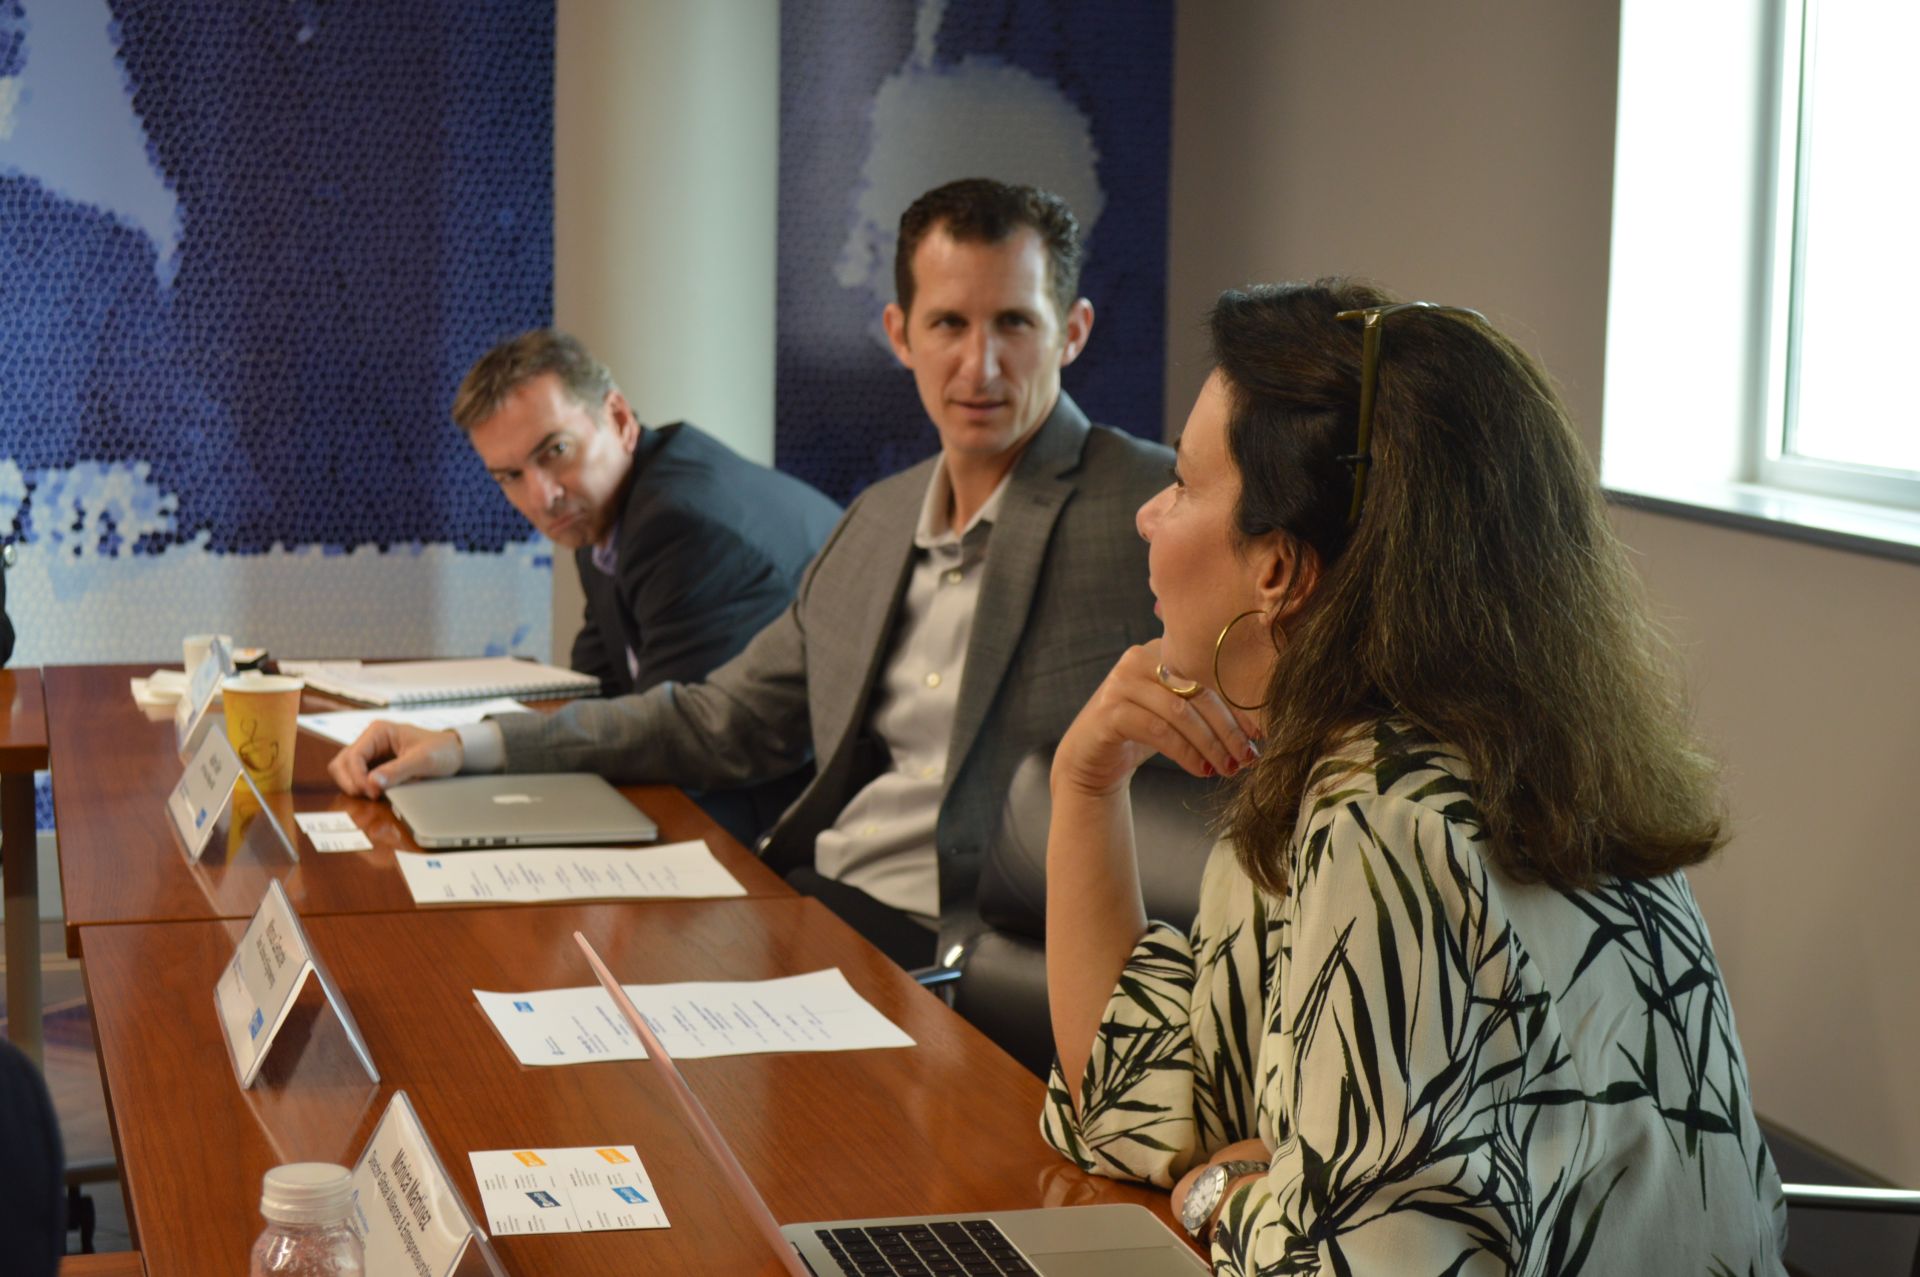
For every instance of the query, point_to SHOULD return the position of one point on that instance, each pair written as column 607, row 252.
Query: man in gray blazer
column 960, row 615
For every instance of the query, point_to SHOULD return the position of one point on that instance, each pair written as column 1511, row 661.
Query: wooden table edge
column 110, row 1263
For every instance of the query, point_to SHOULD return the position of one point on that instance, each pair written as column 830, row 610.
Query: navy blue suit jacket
column 710, row 549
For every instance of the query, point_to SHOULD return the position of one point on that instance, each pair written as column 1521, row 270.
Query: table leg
column 19, row 856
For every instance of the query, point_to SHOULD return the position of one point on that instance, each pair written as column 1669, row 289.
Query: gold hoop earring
column 1220, row 643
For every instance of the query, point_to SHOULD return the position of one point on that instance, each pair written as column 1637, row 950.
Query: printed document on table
column 686, row 869
column 345, row 725
column 814, row 1012
column 566, row 1190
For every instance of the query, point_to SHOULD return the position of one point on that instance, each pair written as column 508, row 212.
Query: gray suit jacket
column 1065, row 592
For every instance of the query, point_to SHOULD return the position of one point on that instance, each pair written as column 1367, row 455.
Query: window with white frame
column 1765, row 252
column 1848, row 253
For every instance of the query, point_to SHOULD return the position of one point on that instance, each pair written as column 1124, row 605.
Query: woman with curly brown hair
column 1448, row 1005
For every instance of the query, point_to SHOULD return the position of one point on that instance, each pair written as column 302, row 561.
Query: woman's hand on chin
column 1133, row 716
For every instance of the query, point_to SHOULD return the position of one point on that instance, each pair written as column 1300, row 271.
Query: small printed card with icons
column 566, row 1190
column 332, row 831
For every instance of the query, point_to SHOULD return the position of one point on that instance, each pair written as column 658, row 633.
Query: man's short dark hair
column 979, row 210
column 518, row 360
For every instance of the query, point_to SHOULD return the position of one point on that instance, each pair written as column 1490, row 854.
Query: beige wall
column 1462, row 152
column 665, row 186
column 1803, row 663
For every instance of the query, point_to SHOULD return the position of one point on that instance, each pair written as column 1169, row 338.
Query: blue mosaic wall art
column 881, row 100
column 246, row 252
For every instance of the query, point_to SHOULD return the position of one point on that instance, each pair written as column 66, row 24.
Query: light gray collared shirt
column 883, row 842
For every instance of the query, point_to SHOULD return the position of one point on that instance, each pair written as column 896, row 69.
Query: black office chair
column 1853, row 1225
column 1887, row 1204
column 999, row 979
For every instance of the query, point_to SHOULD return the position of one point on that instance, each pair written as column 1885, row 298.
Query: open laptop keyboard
column 971, row 1248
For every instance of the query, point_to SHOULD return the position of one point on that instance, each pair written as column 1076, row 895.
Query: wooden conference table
column 113, row 769
column 949, row 1124
column 112, row 1263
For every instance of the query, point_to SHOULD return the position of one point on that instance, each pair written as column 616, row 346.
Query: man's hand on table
column 411, row 753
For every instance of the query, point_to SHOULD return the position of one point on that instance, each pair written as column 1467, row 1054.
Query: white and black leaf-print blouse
column 1457, row 1073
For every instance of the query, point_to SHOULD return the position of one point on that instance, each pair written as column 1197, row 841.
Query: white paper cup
column 194, row 648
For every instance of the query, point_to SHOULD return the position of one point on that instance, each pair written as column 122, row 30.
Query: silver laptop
column 563, row 809
column 1058, row 1241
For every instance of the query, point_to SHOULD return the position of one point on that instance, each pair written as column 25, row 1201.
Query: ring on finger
column 1166, row 680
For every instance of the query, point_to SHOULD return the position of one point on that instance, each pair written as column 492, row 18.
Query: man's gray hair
column 513, row 363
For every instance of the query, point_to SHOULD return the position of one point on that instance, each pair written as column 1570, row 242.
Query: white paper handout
column 566, row 1190
column 680, row 869
column 697, row 1020
column 345, row 725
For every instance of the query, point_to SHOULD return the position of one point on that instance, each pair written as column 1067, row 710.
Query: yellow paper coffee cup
column 262, row 712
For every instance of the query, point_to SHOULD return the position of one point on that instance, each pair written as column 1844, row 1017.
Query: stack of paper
column 157, row 693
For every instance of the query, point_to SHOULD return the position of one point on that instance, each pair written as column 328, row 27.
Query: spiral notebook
column 420, row 682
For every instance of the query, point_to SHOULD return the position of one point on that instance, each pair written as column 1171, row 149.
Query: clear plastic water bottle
column 307, row 1206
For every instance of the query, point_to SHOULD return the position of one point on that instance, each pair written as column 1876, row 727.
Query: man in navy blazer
column 685, row 548
column 958, row 619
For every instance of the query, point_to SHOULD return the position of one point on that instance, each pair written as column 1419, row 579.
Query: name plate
column 205, row 792
column 269, row 968
column 410, row 1218
column 190, row 714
